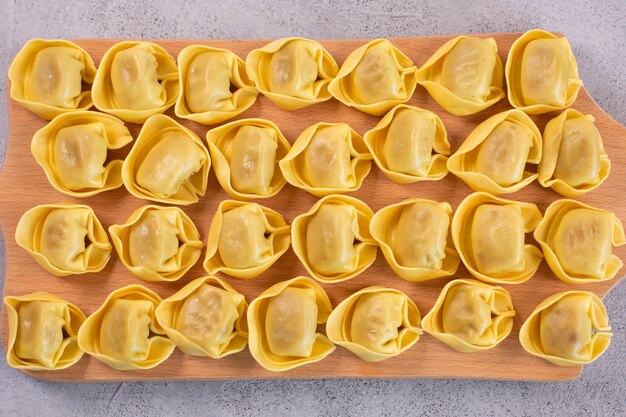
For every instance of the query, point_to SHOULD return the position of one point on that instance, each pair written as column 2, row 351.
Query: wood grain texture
column 24, row 185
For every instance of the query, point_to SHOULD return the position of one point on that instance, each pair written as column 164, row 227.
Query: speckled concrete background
column 598, row 36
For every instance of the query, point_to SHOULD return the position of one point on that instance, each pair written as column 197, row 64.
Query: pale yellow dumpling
column 79, row 156
column 125, row 329
column 242, row 243
column 253, row 160
column 153, row 242
column 63, row 238
column 376, row 320
column 292, row 71
column 409, row 144
column 208, row 83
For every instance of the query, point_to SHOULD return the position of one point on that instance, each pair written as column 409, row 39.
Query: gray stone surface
column 597, row 33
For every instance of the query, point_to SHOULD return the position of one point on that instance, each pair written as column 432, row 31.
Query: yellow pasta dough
column 493, row 158
column 214, row 85
column 489, row 233
column 470, row 316
column 168, row 163
column 577, row 241
column 282, row 325
column 136, row 80
column 245, row 239
column 568, row 328
column 124, row 333
column 464, row 75
column 541, row 73
column 292, row 72
column 245, row 155
column 43, row 331
column 51, row 77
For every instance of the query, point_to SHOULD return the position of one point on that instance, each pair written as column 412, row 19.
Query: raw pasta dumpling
column 577, row 241
column 494, row 156
column 168, row 163
column 51, row 77
column 464, row 76
column 327, row 158
column 245, row 155
column 374, row 78
column 375, row 323
column 157, row 243
column 292, row 72
column 245, row 239
column 470, row 316
column 490, row 235
column 541, row 73
column 568, row 328
column 283, row 325
column 207, row 317
column 43, row 331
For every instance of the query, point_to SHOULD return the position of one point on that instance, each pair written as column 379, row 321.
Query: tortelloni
column 207, row 317
column 43, row 330
column 568, row 328
column 157, row 243
column 409, row 144
column 577, row 242
column 414, row 236
column 292, row 72
column 124, row 333
column 493, row 158
column 214, row 85
column 574, row 161
column 470, row 316
column 327, row 158
column 375, row 323
column 489, row 233
column 283, row 323
column 245, row 239
column 374, row 78
column 51, row 77
column 333, row 240
column 464, row 76
column 245, row 155
column 73, row 148
column 168, row 163
column 541, row 73
column 136, row 80
column 64, row 238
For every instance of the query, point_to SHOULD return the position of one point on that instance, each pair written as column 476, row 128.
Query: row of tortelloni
column 138, row 79
column 338, row 239
column 135, row 329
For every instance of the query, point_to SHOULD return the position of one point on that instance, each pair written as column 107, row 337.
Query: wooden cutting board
column 24, row 185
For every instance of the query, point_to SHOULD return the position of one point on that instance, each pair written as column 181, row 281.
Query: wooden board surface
column 24, row 185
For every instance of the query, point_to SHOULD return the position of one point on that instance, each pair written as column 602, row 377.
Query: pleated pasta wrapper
column 567, row 329
column 415, row 238
column 327, row 158
column 283, row 323
column 577, row 241
column 214, row 85
column 493, row 158
column 245, row 155
column 207, row 317
column 183, row 179
column 409, row 145
column 245, row 239
column 333, row 240
column 541, row 73
column 375, row 323
column 470, row 316
column 136, row 80
column 465, row 75
column 490, row 235
column 52, row 77
column 292, row 72
column 73, row 148
column 374, row 78
column 157, row 243
column 574, row 161
column 43, row 331
column 124, row 333
column 64, row 238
